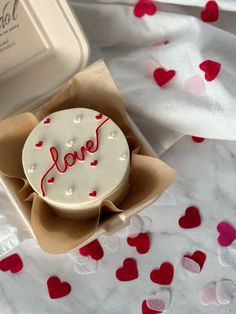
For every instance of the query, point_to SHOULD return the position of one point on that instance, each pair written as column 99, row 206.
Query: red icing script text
column 69, row 160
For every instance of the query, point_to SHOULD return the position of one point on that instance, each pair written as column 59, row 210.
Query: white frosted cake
column 76, row 158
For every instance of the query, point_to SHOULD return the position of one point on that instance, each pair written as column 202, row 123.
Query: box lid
column 42, row 46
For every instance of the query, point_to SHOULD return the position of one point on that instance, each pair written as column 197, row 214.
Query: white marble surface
column 206, row 178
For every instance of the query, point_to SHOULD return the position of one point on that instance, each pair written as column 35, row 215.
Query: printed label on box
column 21, row 39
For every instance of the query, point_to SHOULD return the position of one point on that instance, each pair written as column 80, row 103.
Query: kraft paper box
column 92, row 88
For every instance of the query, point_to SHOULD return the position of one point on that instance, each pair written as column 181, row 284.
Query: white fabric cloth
column 126, row 44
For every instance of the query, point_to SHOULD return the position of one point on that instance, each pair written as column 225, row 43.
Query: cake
column 75, row 159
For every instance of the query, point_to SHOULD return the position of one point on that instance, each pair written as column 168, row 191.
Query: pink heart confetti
column 111, row 242
column 208, row 295
column 227, row 233
column 195, row 85
column 191, row 265
column 227, row 255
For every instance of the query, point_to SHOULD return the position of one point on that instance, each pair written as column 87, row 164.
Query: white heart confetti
column 160, row 301
column 136, row 226
column 112, row 243
column 86, row 269
column 147, row 223
column 84, row 265
column 225, row 291
column 227, row 255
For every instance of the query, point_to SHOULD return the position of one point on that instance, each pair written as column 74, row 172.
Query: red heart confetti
column 93, row 249
column 99, row 116
column 147, row 310
column 39, row 144
column 57, row 289
column 94, row 163
column 198, row 139
column 93, row 194
column 12, row 263
column 227, row 233
column 198, row 257
column 210, row 12
column 162, row 77
column 143, row 7
column 47, row 121
column 141, row 242
column 129, row 271
column 191, row 219
column 51, row 180
column 211, row 69
column 164, row 275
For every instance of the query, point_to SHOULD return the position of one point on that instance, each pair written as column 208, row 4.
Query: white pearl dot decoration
column 78, row 119
column 112, row 135
column 124, row 157
column 70, row 143
column 32, row 168
column 69, row 191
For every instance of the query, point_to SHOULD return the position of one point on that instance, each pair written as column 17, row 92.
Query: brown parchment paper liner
column 93, row 88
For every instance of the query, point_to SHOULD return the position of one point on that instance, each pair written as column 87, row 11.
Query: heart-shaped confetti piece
column 160, row 301
column 39, row 144
column 227, row 255
column 111, row 242
column 227, row 233
column 164, row 275
column 136, row 226
column 162, row 76
column 210, row 12
column 211, row 69
column 190, row 265
column 195, row 85
column 90, row 267
column 208, row 295
column 129, row 271
column 147, row 310
column 225, row 291
column 191, row 218
column 199, row 257
column 84, row 265
column 57, row 289
column 156, row 304
column 12, row 263
column 141, row 242
column 143, row 7
column 93, row 249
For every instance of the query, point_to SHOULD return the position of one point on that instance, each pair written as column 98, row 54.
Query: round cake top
column 76, row 157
